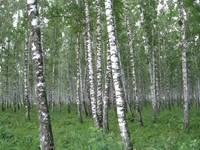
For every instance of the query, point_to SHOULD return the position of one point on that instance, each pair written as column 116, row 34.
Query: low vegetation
column 166, row 132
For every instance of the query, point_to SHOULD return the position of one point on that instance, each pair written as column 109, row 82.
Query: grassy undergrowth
column 166, row 132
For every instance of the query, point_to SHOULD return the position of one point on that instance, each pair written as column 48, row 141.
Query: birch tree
column 90, row 66
column 117, row 77
column 107, row 90
column 78, row 87
column 99, row 76
column 26, row 72
column 130, row 36
column 45, row 131
column 184, row 66
column 1, row 80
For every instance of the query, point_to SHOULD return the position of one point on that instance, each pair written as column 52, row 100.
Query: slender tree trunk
column 152, row 80
column 167, row 80
column 90, row 66
column 116, row 77
column 1, row 80
column 68, row 83
column 19, row 88
column 7, row 98
column 84, row 105
column 26, row 74
column 86, row 79
column 130, row 36
column 99, row 70
column 184, row 67
column 107, row 90
column 198, row 96
column 157, row 90
column 113, row 94
column 42, row 27
column 15, row 76
column 45, row 130
column 68, row 97
column 78, row 91
column 149, row 13
column 59, row 81
column 53, row 89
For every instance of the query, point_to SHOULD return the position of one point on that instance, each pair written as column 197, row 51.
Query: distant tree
column 26, row 72
column 1, row 80
column 130, row 36
column 149, row 12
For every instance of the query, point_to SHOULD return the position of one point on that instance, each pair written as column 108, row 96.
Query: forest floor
column 166, row 132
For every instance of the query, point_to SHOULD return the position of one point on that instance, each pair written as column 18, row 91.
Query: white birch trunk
column 7, row 98
column 184, row 68
column 67, row 82
column 157, row 90
column 130, row 36
column 99, row 70
column 53, row 88
column 59, row 81
column 168, row 92
column 26, row 74
column 152, row 86
column 116, row 77
column 90, row 66
column 86, row 78
column 45, row 131
column 15, row 82
column 1, row 81
column 78, row 90
column 107, row 90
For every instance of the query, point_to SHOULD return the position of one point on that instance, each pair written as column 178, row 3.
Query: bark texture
column 90, row 66
column 45, row 131
column 184, row 67
column 99, row 72
column 1, row 81
column 130, row 36
column 116, row 77
column 78, row 88
column 107, row 90
column 26, row 74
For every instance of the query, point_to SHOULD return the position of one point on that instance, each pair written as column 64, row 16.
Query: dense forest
column 113, row 62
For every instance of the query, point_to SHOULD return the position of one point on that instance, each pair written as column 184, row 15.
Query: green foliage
column 166, row 132
column 102, row 141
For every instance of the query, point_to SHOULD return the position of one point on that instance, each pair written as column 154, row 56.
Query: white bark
column 90, row 66
column 152, row 86
column 1, row 81
column 116, row 77
column 78, row 88
column 130, row 36
column 59, row 81
column 26, row 74
column 99, row 76
column 107, row 90
column 45, row 131
column 168, row 92
column 184, row 67
column 52, row 88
